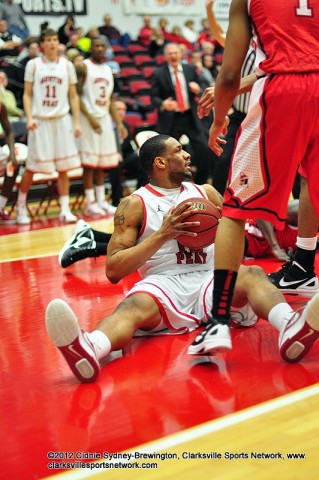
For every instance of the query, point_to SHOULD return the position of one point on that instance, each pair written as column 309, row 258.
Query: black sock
column 305, row 258
column 224, row 285
column 100, row 249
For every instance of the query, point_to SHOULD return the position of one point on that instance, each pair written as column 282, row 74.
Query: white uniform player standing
column 98, row 146
column 49, row 91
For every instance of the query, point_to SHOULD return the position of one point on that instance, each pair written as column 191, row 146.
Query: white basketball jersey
column 97, row 88
column 51, row 82
column 172, row 258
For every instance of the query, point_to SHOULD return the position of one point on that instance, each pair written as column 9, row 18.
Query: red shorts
column 279, row 133
column 257, row 245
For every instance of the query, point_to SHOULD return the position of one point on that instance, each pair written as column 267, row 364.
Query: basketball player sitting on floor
column 175, row 293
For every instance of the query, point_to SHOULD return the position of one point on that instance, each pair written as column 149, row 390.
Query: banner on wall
column 53, row 7
column 186, row 8
column 221, row 9
column 181, row 7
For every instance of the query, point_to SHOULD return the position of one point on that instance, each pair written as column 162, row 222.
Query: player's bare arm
column 27, row 105
column 123, row 255
column 213, row 195
column 228, row 80
column 75, row 108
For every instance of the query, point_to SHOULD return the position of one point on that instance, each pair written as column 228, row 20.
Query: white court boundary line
column 210, row 427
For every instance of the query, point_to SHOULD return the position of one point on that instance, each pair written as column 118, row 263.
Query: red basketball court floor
column 150, row 391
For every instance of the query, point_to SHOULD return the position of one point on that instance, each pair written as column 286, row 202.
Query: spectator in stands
column 144, row 35
column 209, row 64
column 112, row 33
column 206, row 78
column 83, row 43
column 8, row 99
column 162, row 24
column 174, row 90
column 189, row 32
column 176, row 36
column 49, row 92
column 128, row 149
column 75, row 57
column 5, row 162
column 33, row 51
column 9, row 42
column 73, row 41
column 66, row 30
column 61, row 51
column 14, row 16
column 157, row 43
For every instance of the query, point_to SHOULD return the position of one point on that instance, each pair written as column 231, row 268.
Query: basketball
column 208, row 215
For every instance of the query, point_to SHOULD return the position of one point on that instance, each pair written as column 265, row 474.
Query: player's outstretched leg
column 74, row 344
column 300, row 332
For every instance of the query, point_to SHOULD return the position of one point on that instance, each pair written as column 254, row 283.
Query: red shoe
column 64, row 330
column 300, row 332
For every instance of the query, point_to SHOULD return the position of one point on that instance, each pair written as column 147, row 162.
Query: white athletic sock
column 89, row 196
column 22, row 198
column 64, row 203
column 307, row 243
column 280, row 314
column 101, row 343
column 3, row 202
column 100, row 194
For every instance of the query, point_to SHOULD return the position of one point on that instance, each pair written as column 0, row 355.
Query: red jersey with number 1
column 287, row 35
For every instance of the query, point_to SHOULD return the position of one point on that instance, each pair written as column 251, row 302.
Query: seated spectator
column 209, row 64
column 189, row 32
column 66, row 30
column 128, row 149
column 145, row 32
column 14, row 113
column 73, row 41
column 61, row 50
column 9, row 42
column 176, row 37
column 112, row 33
column 14, row 16
column 162, row 24
column 76, row 57
column 157, row 43
column 33, row 51
column 205, row 76
column 8, row 99
column 84, row 42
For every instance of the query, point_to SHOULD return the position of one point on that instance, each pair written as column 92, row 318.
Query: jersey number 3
column 303, row 9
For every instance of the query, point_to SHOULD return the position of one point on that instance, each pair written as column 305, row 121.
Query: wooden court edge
column 43, row 242
column 284, row 425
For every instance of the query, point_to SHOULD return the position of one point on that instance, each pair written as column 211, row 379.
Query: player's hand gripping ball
column 208, row 215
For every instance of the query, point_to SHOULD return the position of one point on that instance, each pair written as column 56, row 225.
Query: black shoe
column 293, row 279
column 81, row 245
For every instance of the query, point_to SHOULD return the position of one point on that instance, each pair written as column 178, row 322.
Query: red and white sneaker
column 5, row 218
column 64, row 330
column 300, row 332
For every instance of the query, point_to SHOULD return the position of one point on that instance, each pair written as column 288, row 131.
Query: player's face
column 178, row 162
column 50, row 45
column 98, row 51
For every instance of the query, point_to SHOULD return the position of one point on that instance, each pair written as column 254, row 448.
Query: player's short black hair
column 152, row 148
